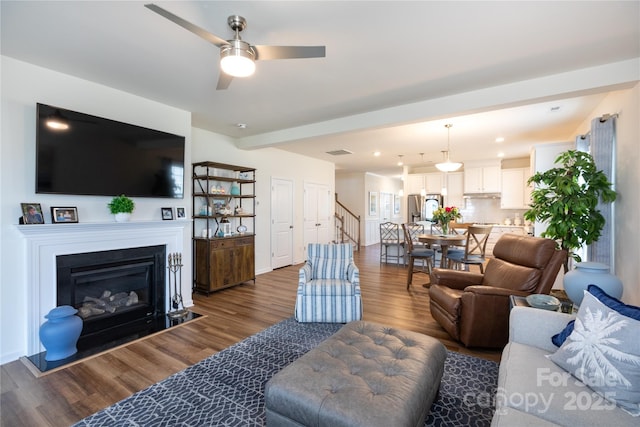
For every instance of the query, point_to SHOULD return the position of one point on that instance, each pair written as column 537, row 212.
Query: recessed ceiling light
column 501, row 154
column 376, row 153
column 241, row 125
column 500, row 139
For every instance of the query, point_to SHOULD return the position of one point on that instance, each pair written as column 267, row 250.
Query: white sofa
column 534, row 391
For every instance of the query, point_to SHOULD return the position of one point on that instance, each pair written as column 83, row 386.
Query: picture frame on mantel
column 61, row 215
column 181, row 213
column 31, row 213
column 167, row 213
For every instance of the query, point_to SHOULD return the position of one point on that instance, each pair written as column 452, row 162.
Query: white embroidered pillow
column 603, row 351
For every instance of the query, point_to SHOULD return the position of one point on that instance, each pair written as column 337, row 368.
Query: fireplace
column 117, row 292
column 45, row 242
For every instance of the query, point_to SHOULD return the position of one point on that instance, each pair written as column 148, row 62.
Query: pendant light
column 448, row 165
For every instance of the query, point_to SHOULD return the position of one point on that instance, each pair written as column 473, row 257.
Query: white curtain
column 601, row 143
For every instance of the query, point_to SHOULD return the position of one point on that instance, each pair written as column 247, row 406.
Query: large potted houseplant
column 566, row 199
column 121, row 206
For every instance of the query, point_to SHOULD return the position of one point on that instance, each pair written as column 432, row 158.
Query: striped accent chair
column 329, row 285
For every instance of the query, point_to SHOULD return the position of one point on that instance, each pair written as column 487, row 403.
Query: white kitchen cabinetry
column 482, row 179
column 455, row 189
column 516, row 193
column 415, row 183
column 498, row 231
column 431, row 183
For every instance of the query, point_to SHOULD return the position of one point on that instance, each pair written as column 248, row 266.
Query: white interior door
column 386, row 206
column 281, row 223
column 317, row 214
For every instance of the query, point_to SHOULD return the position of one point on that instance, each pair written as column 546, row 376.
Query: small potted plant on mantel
column 121, row 206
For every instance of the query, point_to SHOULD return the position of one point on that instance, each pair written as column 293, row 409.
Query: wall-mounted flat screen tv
column 81, row 154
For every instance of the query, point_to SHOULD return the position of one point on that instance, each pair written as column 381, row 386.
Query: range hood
column 481, row 195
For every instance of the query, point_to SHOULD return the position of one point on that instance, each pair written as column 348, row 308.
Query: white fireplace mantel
column 44, row 242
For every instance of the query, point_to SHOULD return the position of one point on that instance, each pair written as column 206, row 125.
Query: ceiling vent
column 339, row 152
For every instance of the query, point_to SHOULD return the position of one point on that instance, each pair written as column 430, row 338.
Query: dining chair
column 436, row 228
column 391, row 238
column 415, row 229
column 415, row 253
column 474, row 249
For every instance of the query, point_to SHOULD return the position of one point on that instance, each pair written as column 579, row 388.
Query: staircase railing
column 347, row 225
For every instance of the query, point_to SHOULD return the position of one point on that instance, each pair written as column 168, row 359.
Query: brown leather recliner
column 474, row 308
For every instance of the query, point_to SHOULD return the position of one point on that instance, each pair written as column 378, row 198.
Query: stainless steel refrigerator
column 420, row 208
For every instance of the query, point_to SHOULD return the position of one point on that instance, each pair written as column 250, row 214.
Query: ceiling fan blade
column 187, row 25
column 288, row 52
column 224, row 80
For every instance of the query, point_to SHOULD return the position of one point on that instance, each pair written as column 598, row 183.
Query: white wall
column 269, row 163
column 23, row 85
column 353, row 191
column 627, row 179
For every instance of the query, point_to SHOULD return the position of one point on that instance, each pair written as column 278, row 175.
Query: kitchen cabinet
column 455, row 189
column 498, row 231
column 516, row 193
column 223, row 225
column 482, row 179
column 431, row 183
column 415, row 183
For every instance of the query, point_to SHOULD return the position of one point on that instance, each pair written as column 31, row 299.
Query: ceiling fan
column 237, row 57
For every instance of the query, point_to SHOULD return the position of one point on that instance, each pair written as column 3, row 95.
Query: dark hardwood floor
column 67, row 395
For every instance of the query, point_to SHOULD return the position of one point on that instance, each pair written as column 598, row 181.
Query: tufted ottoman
column 364, row 375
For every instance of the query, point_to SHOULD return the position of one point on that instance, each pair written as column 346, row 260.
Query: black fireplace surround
column 86, row 277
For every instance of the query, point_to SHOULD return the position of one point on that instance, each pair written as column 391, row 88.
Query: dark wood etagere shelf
column 223, row 225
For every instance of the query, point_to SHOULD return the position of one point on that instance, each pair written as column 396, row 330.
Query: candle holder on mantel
column 175, row 270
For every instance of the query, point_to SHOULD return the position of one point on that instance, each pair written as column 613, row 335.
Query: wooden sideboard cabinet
column 224, row 209
column 224, row 262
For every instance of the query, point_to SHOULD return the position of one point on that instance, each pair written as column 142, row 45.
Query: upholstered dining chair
column 391, row 242
column 416, row 253
column 329, row 285
column 474, row 307
column 474, row 249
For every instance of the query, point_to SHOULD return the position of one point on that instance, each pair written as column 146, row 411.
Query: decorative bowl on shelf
column 546, row 302
column 242, row 229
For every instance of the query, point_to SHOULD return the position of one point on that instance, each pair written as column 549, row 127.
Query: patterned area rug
column 226, row 389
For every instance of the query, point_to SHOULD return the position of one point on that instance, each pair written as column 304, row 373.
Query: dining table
column 444, row 241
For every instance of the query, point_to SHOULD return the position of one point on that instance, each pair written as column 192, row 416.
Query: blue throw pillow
column 559, row 338
column 613, row 303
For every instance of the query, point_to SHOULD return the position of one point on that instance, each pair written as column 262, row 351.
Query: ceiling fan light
column 237, row 59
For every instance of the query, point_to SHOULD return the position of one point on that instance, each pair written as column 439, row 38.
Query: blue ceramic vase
column 59, row 334
column 235, row 189
column 591, row 273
